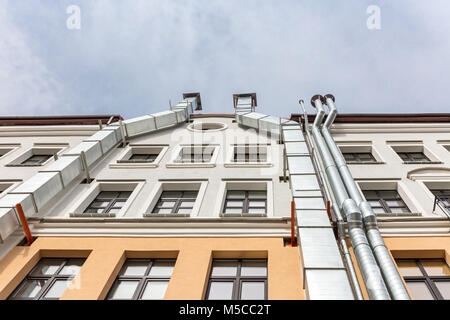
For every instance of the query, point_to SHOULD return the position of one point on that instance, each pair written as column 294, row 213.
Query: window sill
column 166, row 215
column 246, row 215
column 191, row 165
column 93, row 215
column 364, row 163
column 247, row 165
column 404, row 214
column 131, row 165
column 422, row 162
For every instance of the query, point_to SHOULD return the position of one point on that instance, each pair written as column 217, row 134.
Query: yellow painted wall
column 105, row 257
column 411, row 247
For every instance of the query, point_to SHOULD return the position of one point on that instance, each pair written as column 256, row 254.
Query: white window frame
column 10, row 147
column 229, row 163
column 250, row 185
column 175, row 185
column 55, row 149
column 89, row 195
column 360, row 147
column 394, row 185
column 10, row 185
column 413, row 146
column 130, row 150
column 177, row 150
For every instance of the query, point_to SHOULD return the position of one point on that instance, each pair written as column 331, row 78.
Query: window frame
column 143, row 280
column 245, row 205
column 51, row 279
column 357, row 157
column 238, row 279
column 207, row 164
column 83, row 202
column 231, row 152
column 38, row 149
column 407, row 157
column 383, row 202
column 123, row 161
column 178, row 204
column 425, row 278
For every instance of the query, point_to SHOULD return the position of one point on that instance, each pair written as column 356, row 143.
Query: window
column 36, row 159
column 48, row 279
column 36, row 156
column 108, row 202
column 195, row 154
column 413, row 157
column 140, row 156
column 207, row 126
column 443, row 196
column 4, row 151
column 238, row 202
column 142, row 279
column 244, row 279
column 427, row 279
column 249, row 153
column 176, row 202
column 359, row 157
column 386, row 201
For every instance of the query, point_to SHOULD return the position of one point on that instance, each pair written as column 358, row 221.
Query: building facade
column 185, row 205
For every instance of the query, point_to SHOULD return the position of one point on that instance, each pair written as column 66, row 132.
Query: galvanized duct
column 340, row 220
column 366, row 261
column 36, row 192
column 391, row 276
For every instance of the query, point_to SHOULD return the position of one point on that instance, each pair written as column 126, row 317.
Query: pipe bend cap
column 314, row 98
column 329, row 96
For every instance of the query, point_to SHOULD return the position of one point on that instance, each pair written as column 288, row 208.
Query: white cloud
column 26, row 85
column 131, row 57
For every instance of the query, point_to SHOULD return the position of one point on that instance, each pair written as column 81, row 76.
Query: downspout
column 391, row 276
column 366, row 261
column 340, row 220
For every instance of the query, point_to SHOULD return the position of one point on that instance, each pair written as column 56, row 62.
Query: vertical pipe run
column 390, row 274
column 341, row 224
column 24, row 223
column 373, row 280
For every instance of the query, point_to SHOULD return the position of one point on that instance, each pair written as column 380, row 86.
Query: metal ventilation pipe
column 366, row 261
column 340, row 220
column 391, row 276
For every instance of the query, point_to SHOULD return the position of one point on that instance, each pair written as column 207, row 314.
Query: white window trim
column 59, row 148
column 412, row 146
column 77, row 210
column 414, row 206
column 424, row 184
column 126, row 154
column 177, row 150
column 229, row 163
column 11, row 147
column 12, row 185
column 245, row 185
column 165, row 185
column 361, row 146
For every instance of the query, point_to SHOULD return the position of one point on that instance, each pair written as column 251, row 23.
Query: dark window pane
column 134, row 267
column 220, row 290
column 223, row 268
column 419, row 291
column 444, row 288
column 123, row 289
column 47, row 267
column 154, row 290
column 30, row 288
column 57, row 288
column 162, row 268
column 409, row 268
column 254, row 268
column 252, row 290
column 436, row 267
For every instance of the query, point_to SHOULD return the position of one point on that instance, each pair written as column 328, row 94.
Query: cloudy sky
column 131, row 56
